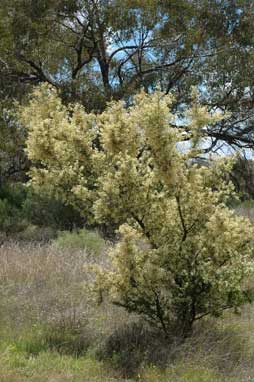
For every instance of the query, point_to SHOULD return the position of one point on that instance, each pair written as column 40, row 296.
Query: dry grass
column 43, row 287
column 47, row 320
column 41, row 283
column 247, row 210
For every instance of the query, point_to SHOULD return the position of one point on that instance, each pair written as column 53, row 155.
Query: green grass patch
column 181, row 372
column 16, row 366
column 84, row 239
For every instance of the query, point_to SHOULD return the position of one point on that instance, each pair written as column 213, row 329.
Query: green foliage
column 183, row 254
column 13, row 160
column 14, row 194
column 33, row 216
column 11, row 218
column 182, row 43
column 40, row 210
column 91, row 241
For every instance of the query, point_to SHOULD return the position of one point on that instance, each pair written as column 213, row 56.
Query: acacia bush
column 182, row 254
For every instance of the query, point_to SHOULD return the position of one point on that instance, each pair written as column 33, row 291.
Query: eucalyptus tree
column 94, row 51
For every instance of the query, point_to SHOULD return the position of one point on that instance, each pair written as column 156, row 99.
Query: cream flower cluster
column 183, row 254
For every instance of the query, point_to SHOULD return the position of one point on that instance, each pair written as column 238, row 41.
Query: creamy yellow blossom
column 183, row 254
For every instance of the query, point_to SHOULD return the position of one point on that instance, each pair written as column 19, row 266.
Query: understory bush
column 34, row 216
column 12, row 219
column 41, row 210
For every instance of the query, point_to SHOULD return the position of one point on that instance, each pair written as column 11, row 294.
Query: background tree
column 96, row 50
column 242, row 175
column 93, row 51
column 13, row 160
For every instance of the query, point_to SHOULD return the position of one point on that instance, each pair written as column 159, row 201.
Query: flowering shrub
column 183, row 254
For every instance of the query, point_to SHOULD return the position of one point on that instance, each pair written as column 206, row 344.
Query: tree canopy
column 94, row 51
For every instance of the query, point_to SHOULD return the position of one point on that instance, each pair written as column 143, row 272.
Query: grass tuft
column 83, row 239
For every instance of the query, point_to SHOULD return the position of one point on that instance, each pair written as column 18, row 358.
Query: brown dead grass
column 42, row 284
